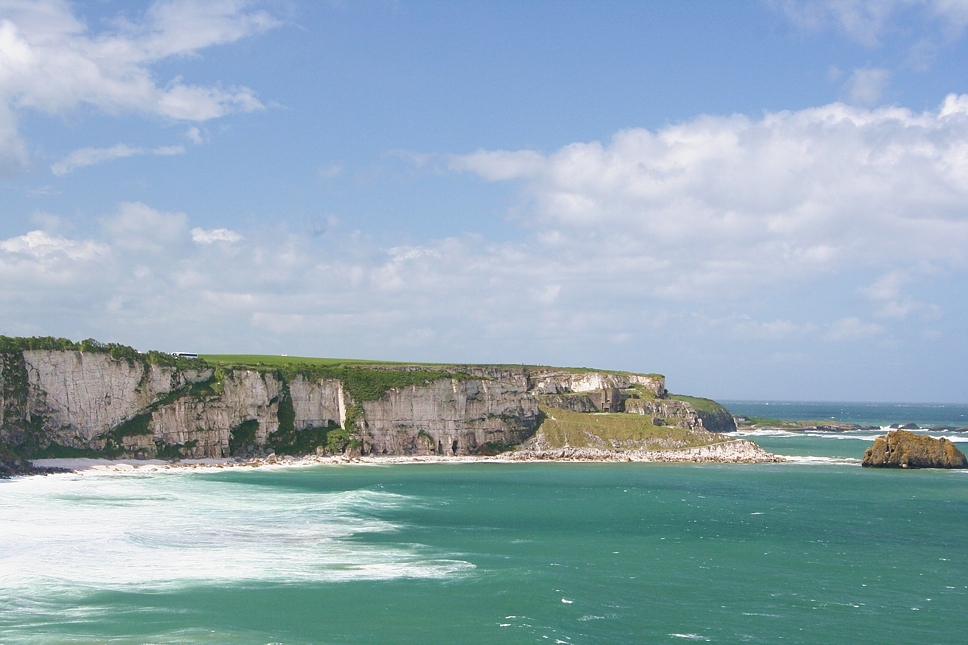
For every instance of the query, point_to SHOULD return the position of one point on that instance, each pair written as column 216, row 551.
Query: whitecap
column 835, row 461
column 65, row 536
column 690, row 637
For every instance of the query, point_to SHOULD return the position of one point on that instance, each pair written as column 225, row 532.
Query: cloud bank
column 52, row 62
column 701, row 230
column 729, row 204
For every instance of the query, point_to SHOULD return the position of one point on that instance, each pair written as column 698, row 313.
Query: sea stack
column 903, row 449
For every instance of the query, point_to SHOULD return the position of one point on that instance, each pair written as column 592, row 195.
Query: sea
column 816, row 550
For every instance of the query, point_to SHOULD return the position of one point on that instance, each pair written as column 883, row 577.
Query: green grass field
column 268, row 360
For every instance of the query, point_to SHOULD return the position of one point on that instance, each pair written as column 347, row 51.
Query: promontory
column 61, row 398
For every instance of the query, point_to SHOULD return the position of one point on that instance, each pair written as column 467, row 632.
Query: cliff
column 903, row 449
column 60, row 398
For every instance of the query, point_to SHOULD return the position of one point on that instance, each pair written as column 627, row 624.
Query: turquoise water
column 847, row 446
column 877, row 414
column 488, row 553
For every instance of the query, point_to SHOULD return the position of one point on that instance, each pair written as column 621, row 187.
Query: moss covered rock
column 903, row 449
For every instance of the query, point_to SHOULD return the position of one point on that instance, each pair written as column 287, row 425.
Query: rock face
column 666, row 408
column 452, row 417
column 902, row 449
column 65, row 402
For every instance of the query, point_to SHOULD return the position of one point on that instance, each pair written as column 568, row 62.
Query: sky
column 762, row 200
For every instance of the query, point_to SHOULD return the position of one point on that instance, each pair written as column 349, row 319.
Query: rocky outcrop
column 903, row 449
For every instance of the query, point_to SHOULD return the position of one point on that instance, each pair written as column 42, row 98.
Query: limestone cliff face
column 545, row 380
column 449, row 416
column 53, row 402
column 679, row 411
column 203, row 426
column 318, row 403
column 81, row 395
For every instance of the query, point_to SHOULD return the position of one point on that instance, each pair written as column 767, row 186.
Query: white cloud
column 720, row 205
column 201, row 236
column 152, row 279
column 866, row 86
column 36, row 245
column 501, row 164
column 84, row 157
column 888, row 293
column 168, row 151
column 138, row 227
column 52, row 62
column 773, row 330
column 865, row 21
column 90, row 156
column 330, row 171
column 852, row 329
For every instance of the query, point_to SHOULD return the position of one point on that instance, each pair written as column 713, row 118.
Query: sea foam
column 68, row 535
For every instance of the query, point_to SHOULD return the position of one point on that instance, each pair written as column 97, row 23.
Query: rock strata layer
column 903, row 449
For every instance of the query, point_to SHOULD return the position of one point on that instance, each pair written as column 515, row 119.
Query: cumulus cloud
column 52, row 62
column 726, row 204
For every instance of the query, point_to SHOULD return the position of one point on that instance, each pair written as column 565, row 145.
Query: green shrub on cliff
column 242, row 436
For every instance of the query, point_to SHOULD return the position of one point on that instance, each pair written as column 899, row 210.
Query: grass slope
column 618, row 430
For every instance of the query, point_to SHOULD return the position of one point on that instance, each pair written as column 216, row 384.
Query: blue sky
column 761, row 200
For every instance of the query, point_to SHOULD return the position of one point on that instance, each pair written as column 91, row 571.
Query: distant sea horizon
column 859, row 412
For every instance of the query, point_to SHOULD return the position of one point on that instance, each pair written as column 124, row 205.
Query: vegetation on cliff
column 614, row 431
column 903, row 449
column 715, row 417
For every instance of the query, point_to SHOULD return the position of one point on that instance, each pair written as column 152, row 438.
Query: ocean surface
column 815, row 551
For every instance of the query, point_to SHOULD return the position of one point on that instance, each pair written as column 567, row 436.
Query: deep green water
column 488, row 553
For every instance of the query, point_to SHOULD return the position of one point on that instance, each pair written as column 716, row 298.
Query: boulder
column 902, row 449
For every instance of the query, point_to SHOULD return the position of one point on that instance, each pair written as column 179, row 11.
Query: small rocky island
column 903, row 449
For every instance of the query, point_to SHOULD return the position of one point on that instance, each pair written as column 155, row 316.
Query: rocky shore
column 740, row 451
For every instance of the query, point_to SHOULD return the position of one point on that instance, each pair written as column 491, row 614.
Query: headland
column 65, row 399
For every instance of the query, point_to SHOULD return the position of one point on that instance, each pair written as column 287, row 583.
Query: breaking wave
column 67, row 535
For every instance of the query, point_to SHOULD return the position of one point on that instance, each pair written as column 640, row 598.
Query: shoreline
column 741, row 451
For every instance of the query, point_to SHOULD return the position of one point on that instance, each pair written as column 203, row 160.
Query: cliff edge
column 59, row 398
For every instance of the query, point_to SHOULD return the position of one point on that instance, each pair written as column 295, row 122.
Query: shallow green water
column 488, row 553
